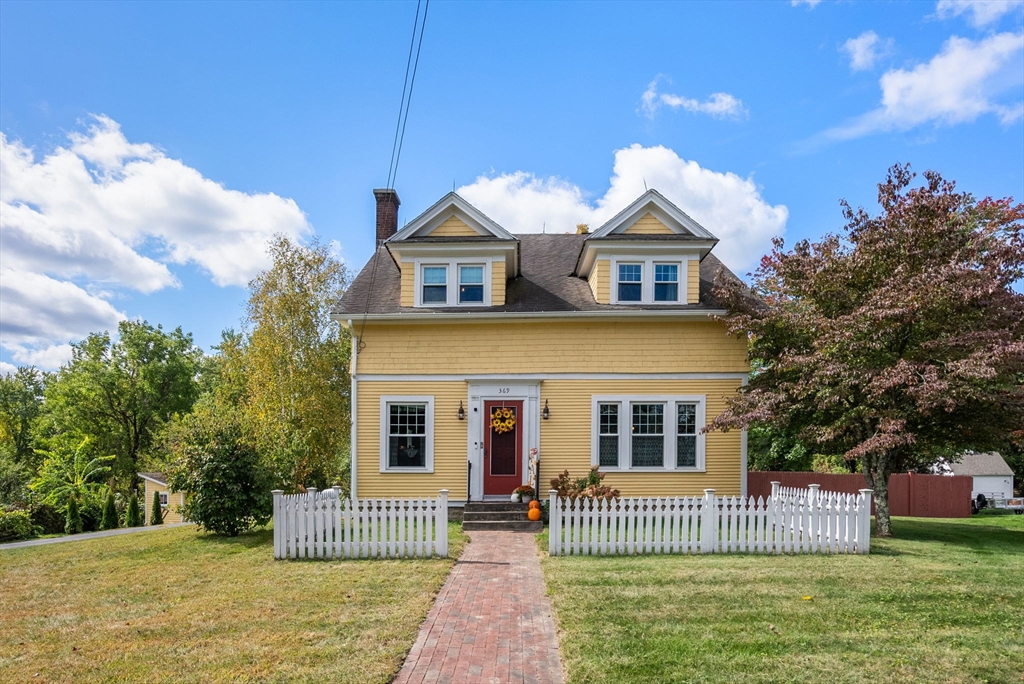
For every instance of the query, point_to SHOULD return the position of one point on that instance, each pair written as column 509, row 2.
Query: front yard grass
column 181, row 606
column 942, row 602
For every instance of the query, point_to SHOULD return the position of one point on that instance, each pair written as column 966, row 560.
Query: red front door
column 503, row 446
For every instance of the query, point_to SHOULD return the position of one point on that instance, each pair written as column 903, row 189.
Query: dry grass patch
column 940, row 603
column 181, row 606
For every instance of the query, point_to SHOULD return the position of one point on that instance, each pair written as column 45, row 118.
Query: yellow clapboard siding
column 498, row 283
column 408, row 283
column 453, row 227
column 593, row 346
column 172, row 513
column 648, row 225
column 449, row 442
column 565, row 439
column 692, row 282
column 599, row 281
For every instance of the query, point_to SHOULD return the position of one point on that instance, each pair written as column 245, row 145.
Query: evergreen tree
column 109, row 519
column 133, row 518
column 73, row 522
column 156, row 517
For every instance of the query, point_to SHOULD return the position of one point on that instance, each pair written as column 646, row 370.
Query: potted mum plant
column 523, row 493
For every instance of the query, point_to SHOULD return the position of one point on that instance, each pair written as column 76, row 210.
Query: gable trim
column 449, row 205
column 662, row 209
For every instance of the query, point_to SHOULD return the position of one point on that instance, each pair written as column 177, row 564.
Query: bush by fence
column 323, row 525
column 799, row 521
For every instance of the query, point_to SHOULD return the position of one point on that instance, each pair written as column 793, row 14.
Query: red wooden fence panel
column 920, row 496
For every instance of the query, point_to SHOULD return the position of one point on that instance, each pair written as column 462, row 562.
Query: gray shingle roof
column 157, row 477
column 990, row 463
column 546, row 283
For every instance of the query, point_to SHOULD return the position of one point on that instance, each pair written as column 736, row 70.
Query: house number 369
column 504, row 390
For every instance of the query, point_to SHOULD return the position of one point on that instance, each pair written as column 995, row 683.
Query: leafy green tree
column 120, row 393
column 73, row 524
column 296, row 365
column 14, row 479
column 897, row 342
column 21, row 400
column 109, row 520
column 227, row 487
column 156, row 513
column 133, row 516
column 70, row 472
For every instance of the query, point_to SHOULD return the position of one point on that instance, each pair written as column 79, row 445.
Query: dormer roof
column 449, row 206
column 654, row 203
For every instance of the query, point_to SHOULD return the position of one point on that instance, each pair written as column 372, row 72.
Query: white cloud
column 7, row 369
column 964, row 81
column 982, row 12
column 865, row 50
column 718, row 105
column 811, row 4
column 105, row 213
column 728, row 205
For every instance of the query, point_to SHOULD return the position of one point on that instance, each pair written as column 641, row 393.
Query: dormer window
column 471, row 284
column 630, row 282
column 666, row 282
column 435, row 284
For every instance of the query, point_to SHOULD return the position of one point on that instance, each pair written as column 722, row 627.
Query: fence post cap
column 776, row 482
column 867, row 491
column 277, row 492
column 709, row 491
column 442, row 491
column 552, row 491
column 813, row 486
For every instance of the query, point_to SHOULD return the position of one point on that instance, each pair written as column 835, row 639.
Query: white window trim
column 452, row 280
column 625, row 402
column 385, row 414
column 165, row 498
column 647, row 278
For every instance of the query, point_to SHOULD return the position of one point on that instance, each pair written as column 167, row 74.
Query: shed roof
column 159, row 478
column 990, row 463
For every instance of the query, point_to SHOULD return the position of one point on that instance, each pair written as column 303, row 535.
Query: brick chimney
column 387, row 213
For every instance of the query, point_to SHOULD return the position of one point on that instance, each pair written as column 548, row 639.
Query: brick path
column 491, row 621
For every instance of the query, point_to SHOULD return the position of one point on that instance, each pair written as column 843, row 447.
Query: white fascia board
column 442, row 207
column 491, row 316
column 592, row 251
column 643, row 204
column 152, row 479
column 416, row 249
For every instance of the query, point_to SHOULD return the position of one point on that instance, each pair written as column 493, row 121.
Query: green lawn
column 180, row 606
column 942, row 602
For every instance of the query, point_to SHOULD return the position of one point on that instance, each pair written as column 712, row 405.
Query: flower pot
column 515, row 497
column 526, row 498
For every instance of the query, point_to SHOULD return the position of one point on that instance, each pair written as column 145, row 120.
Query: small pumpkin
column 533, row 514
column 535, row 504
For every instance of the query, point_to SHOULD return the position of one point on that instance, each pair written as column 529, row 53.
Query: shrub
column 47, row 518
column 73, row 521
column 588, row 487
column 14, row 479
column 15, row 525
column 91, row 512
column 227, row 489
column 109, row 519
column 156, row 515
column 133, row 517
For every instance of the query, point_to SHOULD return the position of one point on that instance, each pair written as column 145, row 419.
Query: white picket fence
column 323, row 525
column 802, row 521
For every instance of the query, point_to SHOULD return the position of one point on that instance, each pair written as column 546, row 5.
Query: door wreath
column 502, row 419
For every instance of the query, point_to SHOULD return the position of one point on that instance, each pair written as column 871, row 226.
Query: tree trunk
column 878, row 480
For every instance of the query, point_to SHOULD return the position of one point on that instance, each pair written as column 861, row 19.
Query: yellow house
column 478, row 353
column 170, row 502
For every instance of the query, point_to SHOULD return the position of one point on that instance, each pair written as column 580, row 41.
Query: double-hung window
column 435, row 285
column 648, row 432
column 471, row 284
column 666, row 282
column 631, row 282
column 407, row 433
column 163, row 498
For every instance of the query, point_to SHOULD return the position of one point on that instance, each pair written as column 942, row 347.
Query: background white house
column 992, row 477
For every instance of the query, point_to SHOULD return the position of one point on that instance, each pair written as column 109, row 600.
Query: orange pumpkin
column 533, row 514
column 535, row 504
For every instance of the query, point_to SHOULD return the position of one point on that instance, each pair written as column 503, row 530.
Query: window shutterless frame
column 406, row 434
column 452, row 282
column 648, row 432
column 630, row 282
column 649, row 280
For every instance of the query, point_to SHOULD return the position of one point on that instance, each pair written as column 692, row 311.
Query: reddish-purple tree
column 896, row 342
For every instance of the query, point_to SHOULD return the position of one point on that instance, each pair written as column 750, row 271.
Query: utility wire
column 396, row 147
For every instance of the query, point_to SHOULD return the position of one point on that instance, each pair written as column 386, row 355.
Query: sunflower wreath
column 503, row 420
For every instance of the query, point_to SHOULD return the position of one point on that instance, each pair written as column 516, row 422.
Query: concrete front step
column 503, row 525
column 494, row 515
column 477, row 506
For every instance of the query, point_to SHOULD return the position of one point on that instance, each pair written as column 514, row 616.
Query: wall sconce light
column 462, row 412
column 546, row 413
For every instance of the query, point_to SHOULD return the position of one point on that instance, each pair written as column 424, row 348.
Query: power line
column 408, row 84
column 412, row 84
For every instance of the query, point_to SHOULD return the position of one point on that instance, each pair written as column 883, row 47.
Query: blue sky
column 150, row 149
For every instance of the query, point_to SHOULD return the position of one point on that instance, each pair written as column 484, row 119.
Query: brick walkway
column 491, row 621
